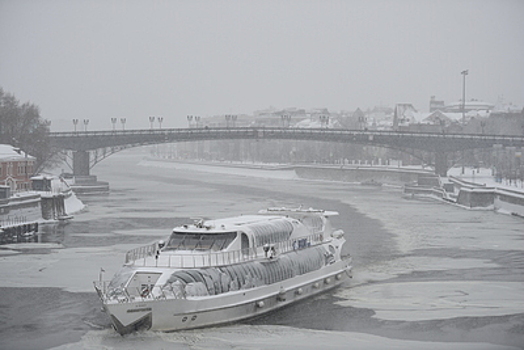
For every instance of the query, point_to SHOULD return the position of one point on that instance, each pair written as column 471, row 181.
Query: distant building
column 437, row 118
column 380, row 118
column 507, row 110
column 435, row 105
column 279, row 117
column 16, row 168
column 471, row 105
column 360, row 118
column 403, row 115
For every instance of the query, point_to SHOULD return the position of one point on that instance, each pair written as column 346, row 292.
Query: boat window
column 271, row 232
column 121, row 277
column 314, row 223
column 200, row 241
column 244, row 243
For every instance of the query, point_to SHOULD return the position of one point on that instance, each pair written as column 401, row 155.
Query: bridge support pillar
column 81, row 163
column 441, row 164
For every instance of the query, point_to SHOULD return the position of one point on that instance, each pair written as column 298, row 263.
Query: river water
column 427, row 275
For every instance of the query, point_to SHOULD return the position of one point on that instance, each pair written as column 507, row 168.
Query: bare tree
column 21, row 126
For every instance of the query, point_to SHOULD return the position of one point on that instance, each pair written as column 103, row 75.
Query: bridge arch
column 109, row 142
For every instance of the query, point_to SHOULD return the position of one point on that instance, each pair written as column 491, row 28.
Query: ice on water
column 72, row 269
column 391, row 300
column 259, row 338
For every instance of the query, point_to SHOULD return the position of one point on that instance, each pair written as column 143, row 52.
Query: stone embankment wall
column 359, row 174
column 420, row 182
column 18, row 208
column 473, row 195
column 54, row 206
column 17, row 233
column 19, row 216
column 510, row 201
column 89, row 185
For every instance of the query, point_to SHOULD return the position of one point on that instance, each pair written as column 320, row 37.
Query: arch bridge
column 90, row 147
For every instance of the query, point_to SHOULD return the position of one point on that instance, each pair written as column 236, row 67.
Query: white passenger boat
column 220, row 271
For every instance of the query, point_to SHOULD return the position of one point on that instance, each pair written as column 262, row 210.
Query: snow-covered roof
column 310, row 123
column 435, row 116
column 8, row 152
column 228, row 224
column 470, row 105
column 507, row 108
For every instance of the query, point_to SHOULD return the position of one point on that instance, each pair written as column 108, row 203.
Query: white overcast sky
column 101, row 59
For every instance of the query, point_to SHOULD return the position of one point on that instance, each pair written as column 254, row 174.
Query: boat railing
column 122, row 294
column 152, row 256
column 141, row 252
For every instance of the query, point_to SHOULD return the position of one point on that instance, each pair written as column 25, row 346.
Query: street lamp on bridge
column 231, row 118
column 151, row 121
column 286, row 118
column 324, row 121
column 113, row 121
column 197, row 121
column 75, row 123
column 160, row 120
column 189, row 119
column 123, row 121
column 86, row 121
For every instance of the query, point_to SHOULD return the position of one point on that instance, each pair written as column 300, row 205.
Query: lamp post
column 113, row 121
column 189, row 119
column 442, row 125
column 197, row 121
column 324, row 121
column 86, row 121
column 75, row 123
column 361, row 122
column 228, row 118
column 464, row 73
column 286, row 118
column 123, row 121
column 151, row 121
column 160, row 120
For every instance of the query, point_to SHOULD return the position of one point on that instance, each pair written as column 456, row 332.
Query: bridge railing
column 256, row 131
column 431, row 142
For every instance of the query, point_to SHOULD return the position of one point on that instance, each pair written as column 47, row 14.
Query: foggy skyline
column 101, row 59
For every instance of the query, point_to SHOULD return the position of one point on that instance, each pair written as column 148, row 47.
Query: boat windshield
column 200, row 241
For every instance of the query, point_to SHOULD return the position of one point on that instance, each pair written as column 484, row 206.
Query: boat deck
column 152, row 256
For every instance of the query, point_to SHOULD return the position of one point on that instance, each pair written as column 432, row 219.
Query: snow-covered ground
column 484, row 177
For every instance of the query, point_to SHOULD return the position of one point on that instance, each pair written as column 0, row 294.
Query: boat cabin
column 238, row 233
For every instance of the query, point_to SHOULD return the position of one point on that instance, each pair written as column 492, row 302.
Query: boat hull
column 196, row 312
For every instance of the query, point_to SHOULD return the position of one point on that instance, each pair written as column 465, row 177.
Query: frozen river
column 427, row 275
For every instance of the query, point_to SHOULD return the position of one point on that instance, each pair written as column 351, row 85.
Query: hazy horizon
column 101, row 59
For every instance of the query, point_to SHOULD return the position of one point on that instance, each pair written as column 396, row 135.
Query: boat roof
column 300, row 210
column 270, row 215
column 227, row 224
